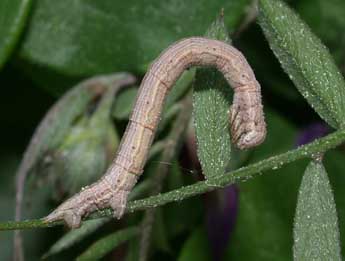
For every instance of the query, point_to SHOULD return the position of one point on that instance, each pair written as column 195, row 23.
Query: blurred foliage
column 13, row 17
column 48, row 46
column 67, row 38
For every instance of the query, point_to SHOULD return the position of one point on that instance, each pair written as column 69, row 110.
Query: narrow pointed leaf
column 316, row 233
column 306, row 60
column 103, row 246
column 211, row 101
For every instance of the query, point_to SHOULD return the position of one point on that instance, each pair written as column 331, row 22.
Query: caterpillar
column 247, row 124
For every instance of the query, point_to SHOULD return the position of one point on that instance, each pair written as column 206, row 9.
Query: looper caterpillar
column 246, row 119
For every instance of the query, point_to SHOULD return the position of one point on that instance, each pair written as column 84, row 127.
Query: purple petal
column 221, row 216
column 312, row 132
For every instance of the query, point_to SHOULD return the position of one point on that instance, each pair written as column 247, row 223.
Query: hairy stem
column 306, row 151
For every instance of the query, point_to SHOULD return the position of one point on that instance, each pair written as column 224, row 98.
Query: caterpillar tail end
column 71, row 219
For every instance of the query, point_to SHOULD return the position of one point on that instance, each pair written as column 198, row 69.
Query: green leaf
column 334, row 163
column 211, row 102
column 316, row 233
column 91, row 37
column 305, row 59
column 196, row 247
column 327, row 20
column 13, row 15
column 103, row 246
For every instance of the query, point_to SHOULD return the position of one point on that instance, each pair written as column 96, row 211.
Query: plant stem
column 242, row 174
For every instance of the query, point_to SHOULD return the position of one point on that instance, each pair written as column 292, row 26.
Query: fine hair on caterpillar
column 246, row 119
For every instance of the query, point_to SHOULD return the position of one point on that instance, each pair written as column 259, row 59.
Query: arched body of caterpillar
column 246, row 119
